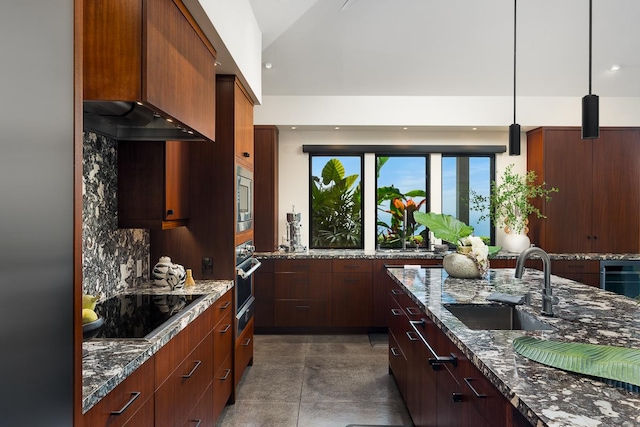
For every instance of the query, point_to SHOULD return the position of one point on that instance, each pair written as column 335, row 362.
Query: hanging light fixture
column 514, row 129
column 590, row 113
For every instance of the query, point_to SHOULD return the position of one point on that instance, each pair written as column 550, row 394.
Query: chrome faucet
column 547, row 296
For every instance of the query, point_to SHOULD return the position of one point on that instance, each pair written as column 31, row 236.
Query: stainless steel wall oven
column 246, row 265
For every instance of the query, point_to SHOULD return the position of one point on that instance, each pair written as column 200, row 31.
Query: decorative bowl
column 92, row 329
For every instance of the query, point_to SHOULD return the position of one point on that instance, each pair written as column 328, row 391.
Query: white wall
column 294, row 166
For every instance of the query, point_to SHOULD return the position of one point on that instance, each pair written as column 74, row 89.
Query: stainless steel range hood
column 132, row 121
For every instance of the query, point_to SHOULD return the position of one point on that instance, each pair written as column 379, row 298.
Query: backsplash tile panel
column 109, row 254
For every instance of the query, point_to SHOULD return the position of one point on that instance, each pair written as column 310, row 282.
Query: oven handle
column 255, row 264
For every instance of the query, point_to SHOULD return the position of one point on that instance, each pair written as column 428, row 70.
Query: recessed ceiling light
column 293, row 127
column 218, row 63
column 268, row 65
column 615, row 67
column 337, row 127
column 474, row 128
column 405, row 128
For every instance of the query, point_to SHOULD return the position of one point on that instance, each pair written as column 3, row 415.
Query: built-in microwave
column 244, row 199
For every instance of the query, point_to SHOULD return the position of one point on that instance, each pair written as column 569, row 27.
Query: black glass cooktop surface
column 140, row 316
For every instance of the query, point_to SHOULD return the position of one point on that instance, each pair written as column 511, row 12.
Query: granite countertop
column 423, row 254
column 108, row 362
column 546, row 396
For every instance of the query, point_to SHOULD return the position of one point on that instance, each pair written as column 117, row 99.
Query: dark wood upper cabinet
column 151, row 52
column 598, row 206
column 153, row 184
column 265, row 176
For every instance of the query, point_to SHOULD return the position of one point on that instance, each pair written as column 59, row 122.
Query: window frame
column 492, row 177
column 338, row 155
column 427, row 182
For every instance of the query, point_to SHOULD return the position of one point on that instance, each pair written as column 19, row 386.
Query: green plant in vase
column 509, row 205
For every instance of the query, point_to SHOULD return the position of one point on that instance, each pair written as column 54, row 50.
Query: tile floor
column 316, row 380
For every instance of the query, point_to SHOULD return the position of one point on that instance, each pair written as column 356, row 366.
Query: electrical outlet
column 207, row 266
column 139, row 268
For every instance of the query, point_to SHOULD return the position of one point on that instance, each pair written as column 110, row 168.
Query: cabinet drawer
column 483, row 395
column 126, row 399
column 351, row 266
column 222, row 386
column 176, row 350
column 302, row 286
column 178, row 395
column 294, row 313
column 222, row 306
column 244, row 351
column 398, row 364
column 299, row 265
column 222, row 341
column 202, row 415
column 575, row 266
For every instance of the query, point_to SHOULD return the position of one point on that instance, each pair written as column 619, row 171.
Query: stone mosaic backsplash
column 109, row 254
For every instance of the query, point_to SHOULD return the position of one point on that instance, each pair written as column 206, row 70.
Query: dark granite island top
column 546, row 396
column 107, row 362
column 424, row 254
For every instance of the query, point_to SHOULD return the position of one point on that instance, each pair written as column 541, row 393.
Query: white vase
column 460, row 266
column 516, row 243
column 167, row 274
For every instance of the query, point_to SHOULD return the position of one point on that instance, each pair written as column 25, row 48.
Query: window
column 401, row 190
column 336, row 202
column 460, row 175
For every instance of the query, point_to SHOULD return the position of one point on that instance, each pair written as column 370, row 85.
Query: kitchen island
column 543, row 395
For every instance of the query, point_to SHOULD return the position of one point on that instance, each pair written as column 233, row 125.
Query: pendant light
column 514, row 129
column 590, row 113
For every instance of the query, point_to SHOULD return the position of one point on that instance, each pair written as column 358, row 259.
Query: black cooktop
column 139, row 316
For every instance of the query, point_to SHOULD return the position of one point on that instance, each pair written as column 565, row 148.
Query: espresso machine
column 294, row 234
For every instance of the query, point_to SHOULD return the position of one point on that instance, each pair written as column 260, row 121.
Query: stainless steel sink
column 497, row 317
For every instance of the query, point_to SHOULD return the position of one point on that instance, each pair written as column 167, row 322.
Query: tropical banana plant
column 336, row 203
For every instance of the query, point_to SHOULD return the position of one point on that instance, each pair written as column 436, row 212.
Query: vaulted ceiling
column 448, row 47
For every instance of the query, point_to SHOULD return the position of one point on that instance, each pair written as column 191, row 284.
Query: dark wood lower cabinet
column 439, row 385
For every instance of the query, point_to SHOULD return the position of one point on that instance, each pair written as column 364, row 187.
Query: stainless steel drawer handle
column 396, row 312
column 468, row 381
column 413, row 311
column 246, row 342
column 226, row 328
column 395, row 352
column 198, row 362
column 225, row 305
column 302, row 307
column 226, row 375
column 198, row 422
column 410, row 337
column 396, row 292
column 134, row 396
column 456, row 397
column 436, row 360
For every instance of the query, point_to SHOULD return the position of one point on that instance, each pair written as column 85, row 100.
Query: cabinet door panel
column 176, row 180
column 179, row 68
column 202, row 414
column 616, row 189
column 244, row 351
column 568, row 222
column 301, row 313
column 302, row 286
column 222, row 386
column 352, row 295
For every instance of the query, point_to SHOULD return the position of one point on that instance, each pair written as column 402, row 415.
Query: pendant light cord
column 514, row 58
column 590, row 25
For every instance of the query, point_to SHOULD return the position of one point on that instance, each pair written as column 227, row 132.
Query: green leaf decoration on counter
column 602, row 361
